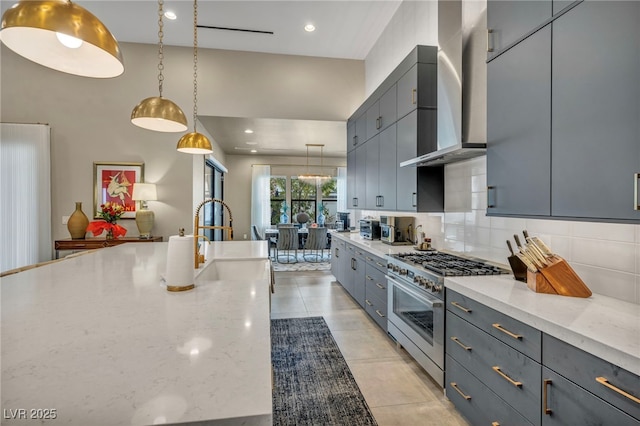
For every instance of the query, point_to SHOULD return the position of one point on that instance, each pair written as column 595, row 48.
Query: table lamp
column 144, row 192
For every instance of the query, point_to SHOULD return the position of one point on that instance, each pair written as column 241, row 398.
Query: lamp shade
column 159, row 114
column 144, row 192
column 194, row 143
column 37, row 29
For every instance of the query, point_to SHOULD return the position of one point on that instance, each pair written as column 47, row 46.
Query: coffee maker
column 346, row 223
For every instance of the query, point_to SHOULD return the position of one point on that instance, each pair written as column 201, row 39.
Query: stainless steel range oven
column 416, row 309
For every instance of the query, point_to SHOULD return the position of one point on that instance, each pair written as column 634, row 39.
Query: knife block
column 557, row 278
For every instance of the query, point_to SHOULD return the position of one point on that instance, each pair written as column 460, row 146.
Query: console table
column 96, row 243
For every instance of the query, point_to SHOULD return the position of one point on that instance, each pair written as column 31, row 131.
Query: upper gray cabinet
column 416, row 89
column 518, row 128
column 356, row 131
column 509, row 21
column 595, row 108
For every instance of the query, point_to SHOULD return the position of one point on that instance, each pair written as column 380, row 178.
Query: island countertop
column 98, row 339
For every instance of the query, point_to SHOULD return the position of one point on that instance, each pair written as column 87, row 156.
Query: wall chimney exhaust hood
column 461, row 84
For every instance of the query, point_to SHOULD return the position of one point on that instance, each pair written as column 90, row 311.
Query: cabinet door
column 361, row 182
column 388, row 108
column 372, row 172
column 352, row 200
column 407, row 99
column 519, row 128
column 510, row 20
column 361, row 129
column 351, row 135
column 406, row 193
column 337, row 252
column 388, row 168
column 569, row 404
column 595, row 134
column 359, row 277
column 373, row 120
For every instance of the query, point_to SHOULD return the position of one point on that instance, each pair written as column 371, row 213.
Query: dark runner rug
column 312, row 382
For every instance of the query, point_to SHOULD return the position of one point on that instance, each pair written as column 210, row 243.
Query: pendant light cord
column 195, row 63
column 160, row 46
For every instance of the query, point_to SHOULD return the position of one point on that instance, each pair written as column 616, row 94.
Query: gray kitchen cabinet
column 513, row 376
column 373, row 120
column 566, row 403
column 338, row 254
column 351, row 135
column 418, row 189
column 416, row 88
column 376, row 289
column 509, row 21
column 356, row 178
column 560, row 5
column 382, row 113
column 356, row 274
column 380, row 175
column 609, row 391
column 595, row 133
column 519, row 128
column 356, row 131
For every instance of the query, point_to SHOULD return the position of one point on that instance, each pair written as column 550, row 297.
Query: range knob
column 430, row 284
column 389, row 266
column 416, row 279
column 436, row 288
column 403, row 272
column 423, row 282
column 396, row 268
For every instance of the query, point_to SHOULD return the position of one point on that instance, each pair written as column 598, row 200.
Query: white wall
column 89, row 118
column 606, row 256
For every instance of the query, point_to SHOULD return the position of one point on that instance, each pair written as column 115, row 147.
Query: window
column 329, row 198
column 278, row 189
column 303, row 198
column 302, row 195
column 213, row 212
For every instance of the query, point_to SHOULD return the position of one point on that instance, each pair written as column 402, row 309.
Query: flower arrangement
column 110, row 212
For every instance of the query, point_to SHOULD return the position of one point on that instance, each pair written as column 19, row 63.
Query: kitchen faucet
column 197, row 227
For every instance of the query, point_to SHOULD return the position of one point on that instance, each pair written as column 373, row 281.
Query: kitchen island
column 97, row 340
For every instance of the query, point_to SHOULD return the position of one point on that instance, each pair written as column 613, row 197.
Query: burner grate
column 450, row 265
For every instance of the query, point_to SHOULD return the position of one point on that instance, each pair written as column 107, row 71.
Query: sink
column 235, row 269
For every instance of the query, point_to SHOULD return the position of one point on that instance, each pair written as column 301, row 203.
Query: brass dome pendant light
column 158, row 113
column 61, row 35
column 194, row 142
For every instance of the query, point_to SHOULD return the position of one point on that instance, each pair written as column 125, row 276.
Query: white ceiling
column 344, row 29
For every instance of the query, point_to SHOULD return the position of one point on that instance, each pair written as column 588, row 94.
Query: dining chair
column 316, row 241
column 258, row 236
column 287, row 241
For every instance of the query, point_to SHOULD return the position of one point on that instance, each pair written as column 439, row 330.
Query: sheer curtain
column 342, row 189
column 25, row 191
column 260, row 198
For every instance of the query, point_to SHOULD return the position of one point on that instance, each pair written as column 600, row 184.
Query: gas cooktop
column 447, row 265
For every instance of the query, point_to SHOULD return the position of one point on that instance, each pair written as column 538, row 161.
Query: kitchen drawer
column 377, row 262
column 514, row 333
column 569, row 404
column 510, row 374
column 376, row 283
column 377, row 309
column 583, row 368
column 475, row 401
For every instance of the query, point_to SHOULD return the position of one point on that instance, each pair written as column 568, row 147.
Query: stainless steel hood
column 461, row 83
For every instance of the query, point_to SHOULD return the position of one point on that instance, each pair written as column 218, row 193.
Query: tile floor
column 397, row 390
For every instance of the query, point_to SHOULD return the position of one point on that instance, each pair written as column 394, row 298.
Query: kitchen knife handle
column 491, row 197
column 489, row 45
column 636, row 186
column 518, row 243
column 510, row 248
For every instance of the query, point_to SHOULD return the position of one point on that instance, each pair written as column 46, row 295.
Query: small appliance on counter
column 397, row 230
column 370, row 229
column 343, row 218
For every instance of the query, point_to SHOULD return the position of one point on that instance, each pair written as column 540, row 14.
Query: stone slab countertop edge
column 99, row 339
column 375, row 247
column 603, row 326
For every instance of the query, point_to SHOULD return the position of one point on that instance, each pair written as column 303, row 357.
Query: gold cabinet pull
column 489, row 46
column 507, row 378
column 414, row 92
column 459, row 306
column 545, row 407
column 380, row 314
column 454, row 385
column 507, row 332
column 455, row 339
column 380, row 286
column 636, row 201
column 381, row 265
column 369, row 278
column 495, row 424
column 367, row 302
column 603, row 381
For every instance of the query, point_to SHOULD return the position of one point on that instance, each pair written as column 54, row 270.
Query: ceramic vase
column 321, row 219
column 77, row 224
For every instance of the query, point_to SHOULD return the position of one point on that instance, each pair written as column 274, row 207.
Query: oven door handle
column 431, row 301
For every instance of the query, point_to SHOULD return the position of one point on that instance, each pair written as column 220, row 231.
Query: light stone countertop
column 606, row 327
column 100, row 340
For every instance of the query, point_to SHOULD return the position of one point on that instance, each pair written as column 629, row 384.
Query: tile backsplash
column 606, row 256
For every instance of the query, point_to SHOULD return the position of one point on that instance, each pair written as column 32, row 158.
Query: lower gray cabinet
column 376, row 290
column 477, row 403
column 356, row 273
column 565, row 403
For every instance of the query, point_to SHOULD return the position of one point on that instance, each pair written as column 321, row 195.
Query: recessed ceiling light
column 248, row 131
column 169, row 14
column 251, row 143
column 254, row 151
column 309, row 28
